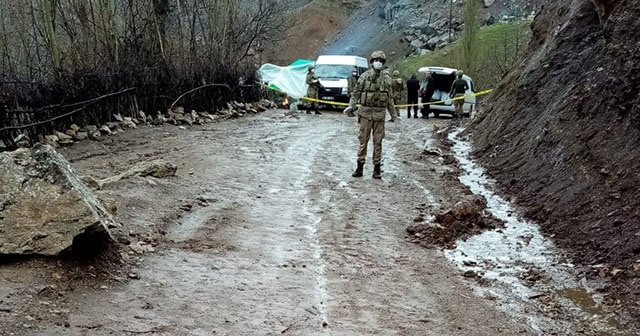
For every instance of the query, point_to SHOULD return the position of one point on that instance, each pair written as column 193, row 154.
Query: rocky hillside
column 401, row 27
column 562, row 134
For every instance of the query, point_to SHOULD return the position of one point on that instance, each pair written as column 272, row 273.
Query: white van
column 443, row 79
column 333, row 70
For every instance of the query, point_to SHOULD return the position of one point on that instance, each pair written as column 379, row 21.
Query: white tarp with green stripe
column 288, row 79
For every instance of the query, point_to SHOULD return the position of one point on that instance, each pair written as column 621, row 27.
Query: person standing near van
column 313, row 90
column 375, row 95
column 458, row 89
column 397, row 85
column 413, row 88
column 428, row 87
column 352, row 80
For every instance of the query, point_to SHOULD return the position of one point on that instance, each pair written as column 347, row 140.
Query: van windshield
column 333, row 71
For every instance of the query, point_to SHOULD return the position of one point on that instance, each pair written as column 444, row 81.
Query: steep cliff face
column 562, row 130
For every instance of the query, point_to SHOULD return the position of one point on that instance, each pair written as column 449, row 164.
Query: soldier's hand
column 349, row 111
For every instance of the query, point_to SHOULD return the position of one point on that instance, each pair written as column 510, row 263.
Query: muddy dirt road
column 278, row 239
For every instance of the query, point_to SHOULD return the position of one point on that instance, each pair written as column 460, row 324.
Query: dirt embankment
column 562, row 133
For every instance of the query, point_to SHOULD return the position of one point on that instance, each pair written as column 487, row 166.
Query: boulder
column 82, row 135
column 128, row 122
column 89, row 128
column 469, row 209
column 51, row 140
column 65, row 142
column 105, row 129
column 22, row 141
column 159, row 119
column 142, row 116
column 156, row 168
column 112, row 125
column 74, row 127
column 94, row 135
column 44, row 205
column 417, row 44
column 61, row 136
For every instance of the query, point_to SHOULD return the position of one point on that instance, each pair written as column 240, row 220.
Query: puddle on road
column 581, row 298
column 504, row 255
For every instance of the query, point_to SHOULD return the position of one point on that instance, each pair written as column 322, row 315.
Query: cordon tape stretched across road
column 327, row 102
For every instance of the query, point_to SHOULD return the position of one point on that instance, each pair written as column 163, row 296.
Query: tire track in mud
column 378, row 283
column 288, row 241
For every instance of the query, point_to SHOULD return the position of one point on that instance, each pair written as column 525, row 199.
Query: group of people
column 424, row 91
column 373, row 94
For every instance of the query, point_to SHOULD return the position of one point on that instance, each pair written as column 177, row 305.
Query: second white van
column 443, row 79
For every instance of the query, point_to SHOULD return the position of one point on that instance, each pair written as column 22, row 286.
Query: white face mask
column 377, row 65
column 354, row 73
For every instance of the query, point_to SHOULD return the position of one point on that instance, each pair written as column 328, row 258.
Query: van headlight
column 345, row 90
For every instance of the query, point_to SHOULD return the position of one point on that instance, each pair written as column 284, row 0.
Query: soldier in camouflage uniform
column 312, row 91
column 398, row 89
column 458, row 89
column 375, row 95
column 352, row 80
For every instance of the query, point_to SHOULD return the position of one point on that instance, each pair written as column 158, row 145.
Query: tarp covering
column 289, row 79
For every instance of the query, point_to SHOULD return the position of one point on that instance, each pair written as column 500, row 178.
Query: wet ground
column 280, row 239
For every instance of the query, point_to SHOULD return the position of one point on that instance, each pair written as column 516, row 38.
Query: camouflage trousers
column 458, row 105
column 397, row 100
column 367, row 127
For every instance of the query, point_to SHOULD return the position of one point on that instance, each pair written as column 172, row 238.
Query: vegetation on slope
column 499, row 46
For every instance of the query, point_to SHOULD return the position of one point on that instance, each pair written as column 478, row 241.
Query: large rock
column 43, row 203
column 156, row 168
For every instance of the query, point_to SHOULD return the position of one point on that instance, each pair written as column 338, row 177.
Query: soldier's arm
column 357, row 90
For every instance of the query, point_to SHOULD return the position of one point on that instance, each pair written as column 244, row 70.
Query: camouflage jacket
column 398, row 85
column 374, row 93
column 312, row 79
column 351, row 84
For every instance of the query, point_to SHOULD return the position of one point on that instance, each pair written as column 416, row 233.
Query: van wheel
column 436, row 114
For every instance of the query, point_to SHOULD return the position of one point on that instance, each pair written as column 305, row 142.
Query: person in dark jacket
column 413, row 86
column 427, row 88
column 458, row 89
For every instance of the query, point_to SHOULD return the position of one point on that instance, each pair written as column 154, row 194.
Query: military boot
column 358, row 172
column 317, row 112
column 408, row 114
column 376, row 172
